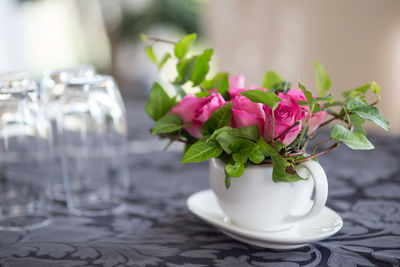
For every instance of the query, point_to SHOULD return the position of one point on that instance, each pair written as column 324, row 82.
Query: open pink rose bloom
column 196, row 111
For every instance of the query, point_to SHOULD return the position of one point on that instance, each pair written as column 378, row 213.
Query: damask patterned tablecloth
column 158, row 230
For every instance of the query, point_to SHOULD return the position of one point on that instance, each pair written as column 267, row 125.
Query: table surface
column 157, row 228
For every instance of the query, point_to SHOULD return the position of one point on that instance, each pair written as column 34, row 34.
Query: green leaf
column 201, row 150
column 283, row 86
column 150, row 54
column 227, row 181
column 367, row 112
column 307, row 93
column 280, row 170
column 222, row 117
column 376, row 89
column 201, row 67
column 257, row 156
column 249, row 132
column 167, row 124
column 265, row 148
column 185, row 69
column 315, row 100
column 202, row 94
column 322, row 78
column 225, row 140
column 159, row 102
column 215, row 81
column 357, row 122
column 354, row 140
column 241, row 149
column 183, row 46
column 360, row 91
column 223, row 87
column 259, row 96
column 234, row 170
column 163, row 61
column 271, row 78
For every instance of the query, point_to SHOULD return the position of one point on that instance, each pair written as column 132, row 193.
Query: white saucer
column 204, row 205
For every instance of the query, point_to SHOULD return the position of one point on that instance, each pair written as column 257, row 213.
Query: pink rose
column 298, row 95
column 316, row 120
column 246, row 113
column 197, row 111
column 285, row 115
column 236, row 85
column 236, row 81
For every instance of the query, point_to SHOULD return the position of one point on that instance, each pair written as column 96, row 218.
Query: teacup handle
column 321, row 190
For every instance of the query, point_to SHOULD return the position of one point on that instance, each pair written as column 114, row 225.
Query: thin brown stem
column 319, row 153
column 320, row 143
column 155, row 39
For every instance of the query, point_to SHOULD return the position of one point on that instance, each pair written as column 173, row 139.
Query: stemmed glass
column 24, row 143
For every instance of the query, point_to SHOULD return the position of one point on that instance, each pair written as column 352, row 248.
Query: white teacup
column 255, row 202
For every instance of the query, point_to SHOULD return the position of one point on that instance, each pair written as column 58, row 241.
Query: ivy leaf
column 249, row 132
column 201, row 150
column 202, row 94
column 159, row 102
column 259, row 96
column 360, row 91
column 280, row 170
column 257, row 156
column 201, row 67
column 163, row 61
column 234, row 170
column 223, row 87
column 283, row 86
column 167, row 124
column 376, row 89
column 322, row 78
column 315, row 100
column 367, row 112
column 185, row 69
column 357, row 122
column 241, row 149
column 227, row 180
column 222, row 117
column 307, row 93
column 265, row 148
column 354, row 140
column 183, row 46
column 225, row 139
column 271, row 78
column 215, row 81
column 150, row 54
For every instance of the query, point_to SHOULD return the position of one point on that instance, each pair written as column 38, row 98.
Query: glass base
column 97, row 209
column 27, row 222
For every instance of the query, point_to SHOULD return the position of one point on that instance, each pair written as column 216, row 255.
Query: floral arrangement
column 240, row 125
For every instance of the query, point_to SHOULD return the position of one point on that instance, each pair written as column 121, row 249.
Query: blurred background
column 357, row 41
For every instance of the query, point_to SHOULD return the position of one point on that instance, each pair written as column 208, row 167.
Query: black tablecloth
column 157, row 229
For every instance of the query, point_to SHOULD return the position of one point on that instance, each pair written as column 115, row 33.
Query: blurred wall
column 357, row 41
